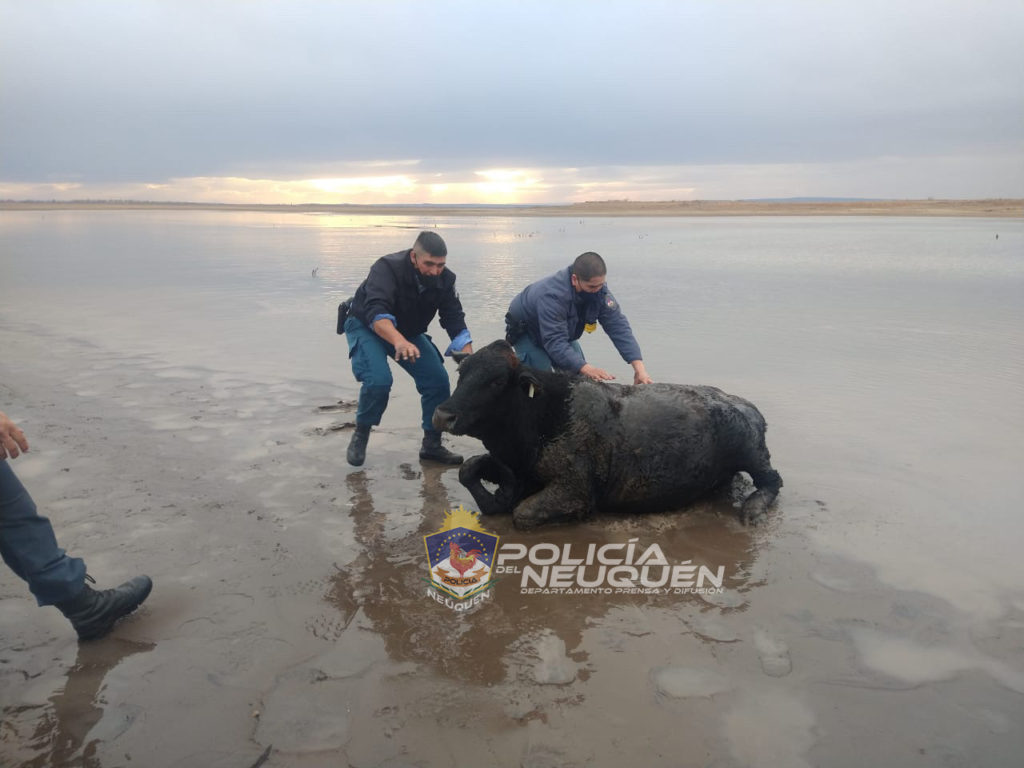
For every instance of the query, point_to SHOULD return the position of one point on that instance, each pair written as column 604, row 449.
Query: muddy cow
column 561, row 446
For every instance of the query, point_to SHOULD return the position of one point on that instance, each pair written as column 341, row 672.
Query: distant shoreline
column 993, row 208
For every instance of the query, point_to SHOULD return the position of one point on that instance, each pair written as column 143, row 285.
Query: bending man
column 545, row 321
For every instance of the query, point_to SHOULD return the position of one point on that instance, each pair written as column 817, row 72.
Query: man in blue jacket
column 545, row 320
column 389, row 317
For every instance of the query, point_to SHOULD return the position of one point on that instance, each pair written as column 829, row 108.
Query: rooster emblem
column 461, row 560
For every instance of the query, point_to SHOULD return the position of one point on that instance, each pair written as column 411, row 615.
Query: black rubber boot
column 357, row 448
column 432, row 449
column 93, row 613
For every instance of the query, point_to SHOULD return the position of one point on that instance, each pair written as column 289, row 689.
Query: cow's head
column 487, row 380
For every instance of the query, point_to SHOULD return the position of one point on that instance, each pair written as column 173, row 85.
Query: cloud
column 146, row 92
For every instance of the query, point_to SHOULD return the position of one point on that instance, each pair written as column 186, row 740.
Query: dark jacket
column 554, row 314
column 394, row 287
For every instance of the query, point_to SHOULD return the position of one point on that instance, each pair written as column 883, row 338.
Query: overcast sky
column 493, row 101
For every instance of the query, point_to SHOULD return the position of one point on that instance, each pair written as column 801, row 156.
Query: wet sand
column 991, row 208
column 289, row 610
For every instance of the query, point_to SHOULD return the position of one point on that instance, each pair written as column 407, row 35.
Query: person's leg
column 29, row 546
column 369, row 355
column 534, row 355
column 430, row 376
column 434, row 387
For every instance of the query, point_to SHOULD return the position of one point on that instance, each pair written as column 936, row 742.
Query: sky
column 490, row 101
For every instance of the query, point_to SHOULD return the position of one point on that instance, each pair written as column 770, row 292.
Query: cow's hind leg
column 553, row 504
column 485, row 467
column 767, row 481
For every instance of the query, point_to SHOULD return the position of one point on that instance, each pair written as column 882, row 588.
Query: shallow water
column 172, row 366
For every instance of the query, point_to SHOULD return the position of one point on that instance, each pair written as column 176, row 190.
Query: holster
column 343, row 309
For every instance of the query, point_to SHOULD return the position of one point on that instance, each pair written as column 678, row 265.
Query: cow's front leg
column 557, row 503
column 486, row 467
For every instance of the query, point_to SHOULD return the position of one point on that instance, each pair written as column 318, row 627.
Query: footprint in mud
column 711, row 629
column 552, row 666
column 327, row 627
column 339, row 407
column 689, row 682
column 339, row 426
column 774, row 653
column 408, row 473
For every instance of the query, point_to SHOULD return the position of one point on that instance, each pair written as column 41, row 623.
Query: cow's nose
column 443, row 419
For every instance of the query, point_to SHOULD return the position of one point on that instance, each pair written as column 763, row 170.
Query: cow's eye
column 498, row 383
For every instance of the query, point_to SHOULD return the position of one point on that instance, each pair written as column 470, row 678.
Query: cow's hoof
column 525, row 520
column 753, row 510
column 472, row 467
column 506, row 498
column 490, row 505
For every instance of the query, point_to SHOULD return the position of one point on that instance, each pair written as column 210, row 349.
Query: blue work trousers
column 369, row 354
column 29, row 547
column 534, row 355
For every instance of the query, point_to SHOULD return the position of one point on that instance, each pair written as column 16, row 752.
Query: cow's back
column 651, row 447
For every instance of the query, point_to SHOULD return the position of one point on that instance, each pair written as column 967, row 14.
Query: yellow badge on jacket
column 590, row 327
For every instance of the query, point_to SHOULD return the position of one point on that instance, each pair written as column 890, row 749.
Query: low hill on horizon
column 797, row 206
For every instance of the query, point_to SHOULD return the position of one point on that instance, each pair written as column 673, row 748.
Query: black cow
column 562, row 446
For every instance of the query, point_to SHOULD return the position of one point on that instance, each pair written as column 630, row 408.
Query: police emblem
column 460, row 557
column 609, row 302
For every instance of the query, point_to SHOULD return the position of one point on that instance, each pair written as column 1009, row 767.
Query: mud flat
column 290, row 615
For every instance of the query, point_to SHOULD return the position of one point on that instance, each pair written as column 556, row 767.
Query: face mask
column 429, row 281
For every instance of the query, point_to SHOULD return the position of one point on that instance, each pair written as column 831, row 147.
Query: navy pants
column 29, row 547
column 369, row 354
column 534, row 355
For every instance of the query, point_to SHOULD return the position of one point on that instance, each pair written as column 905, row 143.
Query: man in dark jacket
column 545, row 320
column 389, row 318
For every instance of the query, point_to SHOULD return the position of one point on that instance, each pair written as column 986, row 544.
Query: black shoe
column 93, row 613
column 432, row 449
column 357, row 448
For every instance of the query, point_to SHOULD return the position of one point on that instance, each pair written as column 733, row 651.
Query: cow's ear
column 529, row 382
column 458, row 357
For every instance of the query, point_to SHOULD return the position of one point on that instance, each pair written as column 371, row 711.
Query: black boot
column 432, row 449
column 357, row 448
column 93, row 613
